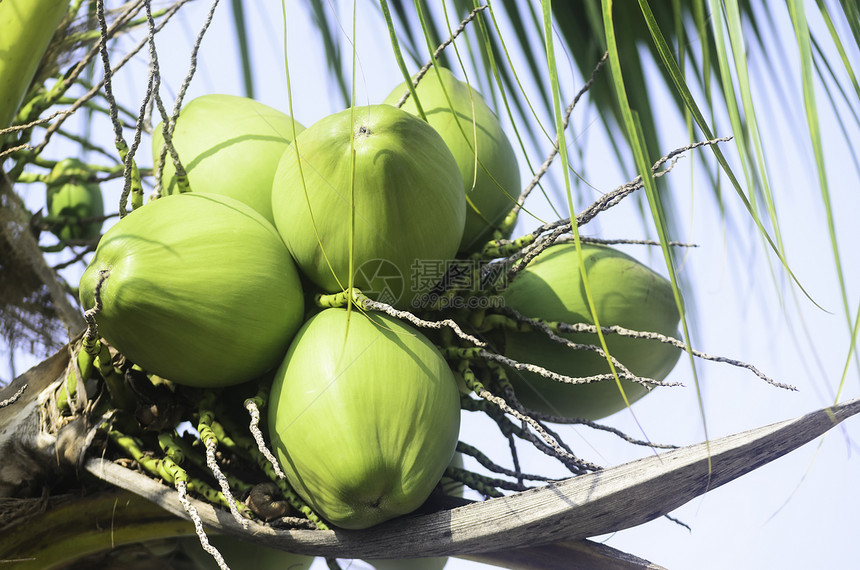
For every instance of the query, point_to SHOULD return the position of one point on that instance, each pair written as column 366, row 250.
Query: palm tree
column 771, row 281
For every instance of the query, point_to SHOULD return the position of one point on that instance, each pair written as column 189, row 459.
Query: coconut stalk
column 551, row 524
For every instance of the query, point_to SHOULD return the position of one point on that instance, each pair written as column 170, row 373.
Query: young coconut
column 397, row 201
column 449, row 487
column 197, row 288
column 73, row 202
column 470, row 128
column 625, row 292
column 228, row 145
column 364, row 417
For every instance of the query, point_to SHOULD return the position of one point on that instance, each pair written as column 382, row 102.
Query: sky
column 797, row 512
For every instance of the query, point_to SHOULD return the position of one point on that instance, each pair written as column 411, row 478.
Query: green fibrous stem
column 100, row 355
column 510, row 221
column 260, row 399
column 91, row 345
column 292, row 498
column 196, row 456
column 246, row 447
column 67, row 391
column 227, row 442
column 487, row 486
column 461, row 353
column 206, row 417
column 83, row 368
column 466, row 372
column 168, row 443
column 179, row 451
column 492, row 321
column 485, row 461
column 80, row 369
column 212, row 430
column 131, row 446
column 504, row 248
column 210, row 442
column 500, row 376
column 167, row 469
column 134, row 174
column 333, row 300
column 114, row 381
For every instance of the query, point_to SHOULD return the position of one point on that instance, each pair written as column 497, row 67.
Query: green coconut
column 228, row 145
column 625, row 292
column 400, row 206
column 199, row 289
column 450, row 487
column 471, row 130
column 364, row 417
column 73, row 202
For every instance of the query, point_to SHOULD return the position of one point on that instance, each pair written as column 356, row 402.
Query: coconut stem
column 488, row 464
column 553, row 328
column 165, row 468
column 100, row 354
column 365, row 303
column 254, row 427
column 182, row 491
column 204, row 428
column 454, row 352
column 521, row 323
column 509, row 429
column 92, row 333
column 169, row 122
column 487, row 486
column 518, row 261
column 126, row 154
column 266, row 460
column 56, row 92
column 510, row 396
column 479, row 389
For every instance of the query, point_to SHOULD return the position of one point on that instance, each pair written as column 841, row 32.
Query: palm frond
column 244, row 49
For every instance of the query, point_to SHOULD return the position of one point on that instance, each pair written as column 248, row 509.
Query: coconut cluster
column 207, row 285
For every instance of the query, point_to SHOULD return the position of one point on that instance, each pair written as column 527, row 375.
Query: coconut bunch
column 298, row 261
